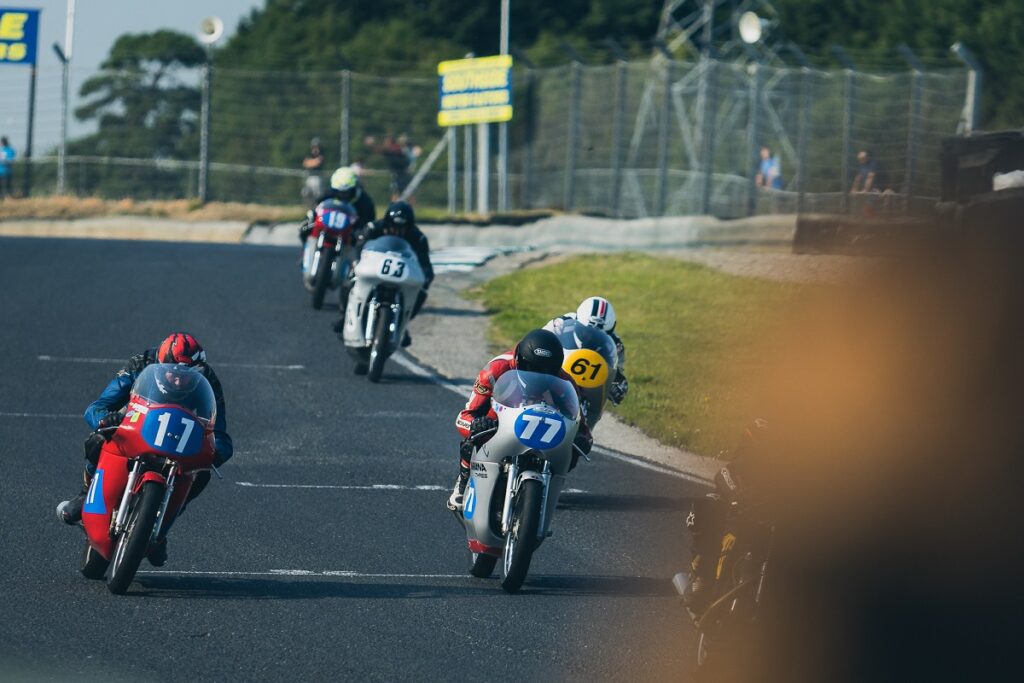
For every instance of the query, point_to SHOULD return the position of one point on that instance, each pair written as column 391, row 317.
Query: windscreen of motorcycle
column 335, row 216
column 390, row 244
column 519, row 388
column 177, row 385
column 590, row 355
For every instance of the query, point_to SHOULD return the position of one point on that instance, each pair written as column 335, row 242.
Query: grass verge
column 693, row 336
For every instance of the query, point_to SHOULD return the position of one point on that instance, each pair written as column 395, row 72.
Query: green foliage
column 141, row 107
column 990, row 28
column 691, row 369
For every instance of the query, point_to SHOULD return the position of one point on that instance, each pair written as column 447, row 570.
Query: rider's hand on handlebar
column 108, row 421
column 482, row 424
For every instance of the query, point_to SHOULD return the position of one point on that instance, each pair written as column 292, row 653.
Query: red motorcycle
column 330, row 231
column 146, row 469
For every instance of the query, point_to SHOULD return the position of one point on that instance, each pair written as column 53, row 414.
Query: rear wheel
column 381, row 342
column 321, row 278
column 522, row 535
column 134, row 541
column 94, row 565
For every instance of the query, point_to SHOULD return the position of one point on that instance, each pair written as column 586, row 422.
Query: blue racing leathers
column 116, row 394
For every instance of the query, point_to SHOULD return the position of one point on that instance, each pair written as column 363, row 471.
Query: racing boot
column 406, row 340
column 456, row 499
column 70, row 511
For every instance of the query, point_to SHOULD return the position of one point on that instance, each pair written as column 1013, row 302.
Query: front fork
column 129, row 490
column 371, row 322
column 512, row 488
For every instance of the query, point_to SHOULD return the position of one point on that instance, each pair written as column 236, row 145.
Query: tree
column 142, row 105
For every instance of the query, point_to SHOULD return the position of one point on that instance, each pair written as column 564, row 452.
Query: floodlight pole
column 65, row 59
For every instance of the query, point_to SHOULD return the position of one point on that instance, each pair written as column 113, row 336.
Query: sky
column 98, row 23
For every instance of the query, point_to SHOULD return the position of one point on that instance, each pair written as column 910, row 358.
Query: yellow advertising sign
column 475, row 90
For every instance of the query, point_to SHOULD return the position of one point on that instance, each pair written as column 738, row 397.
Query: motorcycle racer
column 345, row 186
column 538, row 351
column 598, row 312
column 707, row 518
column 399, row 220
column 106, row 411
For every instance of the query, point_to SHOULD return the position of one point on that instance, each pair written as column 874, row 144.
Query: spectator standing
column 7, row 155
column 769, row 173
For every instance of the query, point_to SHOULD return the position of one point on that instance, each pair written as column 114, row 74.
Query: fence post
column 453, row 162
column 663, row 129
column 618, row 123
column 30, row 131
column 344, row 132
column 972, row 103
column 849, row 107
column 753, row 135
column 572, row 143
column 802, row 136
column 204, row 134
column 708, row 133
column 912, row 126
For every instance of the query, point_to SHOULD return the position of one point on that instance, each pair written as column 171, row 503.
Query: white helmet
column 596, row 311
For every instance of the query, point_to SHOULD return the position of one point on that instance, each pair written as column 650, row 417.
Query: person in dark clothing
column 399, row 220
column 345, row 186
column 106, row 412
column 707, row 518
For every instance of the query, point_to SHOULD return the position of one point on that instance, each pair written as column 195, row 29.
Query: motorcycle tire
column 381, row 340
column 482, row 565
column 522, row 535
column 94, row 565
column 322, row 278
column 133, row 543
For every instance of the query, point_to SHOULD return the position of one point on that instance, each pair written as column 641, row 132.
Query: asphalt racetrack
column 326, row 552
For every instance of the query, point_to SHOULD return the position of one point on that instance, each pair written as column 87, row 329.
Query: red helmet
column 181, row 348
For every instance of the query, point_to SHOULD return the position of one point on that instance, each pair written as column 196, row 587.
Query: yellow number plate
column 588, row 368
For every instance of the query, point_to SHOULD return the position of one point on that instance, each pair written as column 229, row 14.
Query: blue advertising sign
column 19, row 35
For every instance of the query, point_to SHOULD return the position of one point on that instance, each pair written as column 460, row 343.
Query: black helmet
column 400, row 214
column 539, row 351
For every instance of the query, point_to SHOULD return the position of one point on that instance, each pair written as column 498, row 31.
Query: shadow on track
column 622, row 503
column 609, row 586
column 301, row 588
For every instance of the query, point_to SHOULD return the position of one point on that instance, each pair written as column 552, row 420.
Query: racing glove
column 618, row 389
column 109, row 420
column 481, row 424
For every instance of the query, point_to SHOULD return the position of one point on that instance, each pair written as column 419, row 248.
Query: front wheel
column 522, row 535
column 381, row 342
column 94, row 565
column 322, row 277
column 134, row 541
column 482, row 565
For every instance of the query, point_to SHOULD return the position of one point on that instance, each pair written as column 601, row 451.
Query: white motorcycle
column 517, row 476
column 388, row 279
column 591, row 359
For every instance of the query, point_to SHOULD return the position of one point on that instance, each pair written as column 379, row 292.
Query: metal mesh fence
column 626, row 139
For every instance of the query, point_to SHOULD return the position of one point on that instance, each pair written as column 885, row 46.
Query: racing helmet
column 176, row 382
column 181, row 347
column 400, row 214
column 539, row 351
column 596, row 311
column 345, row 184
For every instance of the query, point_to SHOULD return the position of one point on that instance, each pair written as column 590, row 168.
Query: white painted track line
column 119, row 361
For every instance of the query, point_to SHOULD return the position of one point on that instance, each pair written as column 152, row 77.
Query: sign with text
column 475, row 90
column 19, row 33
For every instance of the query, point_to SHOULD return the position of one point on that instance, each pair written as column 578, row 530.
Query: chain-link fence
column 627, row 139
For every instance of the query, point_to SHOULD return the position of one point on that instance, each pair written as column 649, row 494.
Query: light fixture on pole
column 751, row 28
column 210, row 31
